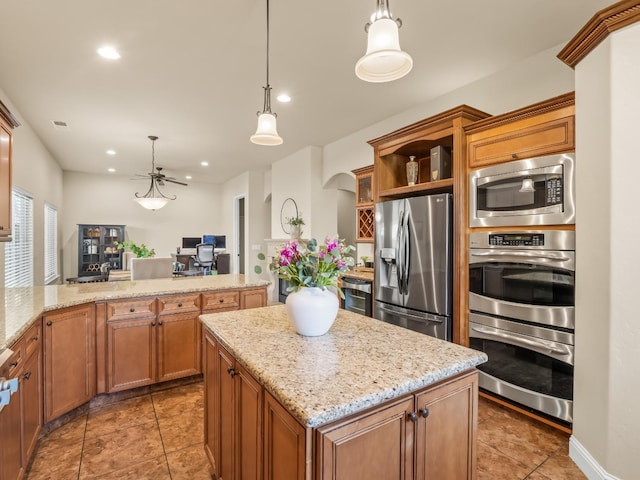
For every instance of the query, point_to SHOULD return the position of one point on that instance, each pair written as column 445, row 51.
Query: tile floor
column 160, row 436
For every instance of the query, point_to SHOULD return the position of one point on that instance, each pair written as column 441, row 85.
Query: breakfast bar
column 366, row 400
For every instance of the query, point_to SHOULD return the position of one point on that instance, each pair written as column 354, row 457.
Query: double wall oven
column 521, row 302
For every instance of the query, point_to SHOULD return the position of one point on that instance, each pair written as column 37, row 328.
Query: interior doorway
column 239, row 235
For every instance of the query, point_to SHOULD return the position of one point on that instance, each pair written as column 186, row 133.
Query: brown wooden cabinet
column 220, row 301
column 69, row 359
column 145, row 347
column 253, row 298
column 365, row 209
column 11, row 466
column 233, row 433
column 7, row 123
column 544, row 128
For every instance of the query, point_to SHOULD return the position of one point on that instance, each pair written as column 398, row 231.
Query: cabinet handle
column 153, row 324
column 179, row 305
column 14, row 364
column 231, row 372
column 27, row 375
column 413, row 416
column 424, row 412
column 34, row 339
column 49, row 323
column 513, row 155
column 132, row 309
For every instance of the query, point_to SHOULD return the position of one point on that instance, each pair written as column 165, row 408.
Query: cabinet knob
column 34, row 339
column 49, row 323
column 221, row 300
column 153, row 324
column 413, row 416
column 14, row 364
column 180, row 305
column 231, row 372
column 513, row 155
column 132, row 309
column 424, row 412
column 27, row 375
column 160, row 323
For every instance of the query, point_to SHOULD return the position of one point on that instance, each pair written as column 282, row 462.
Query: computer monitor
column 191, row 242
column 219, row 242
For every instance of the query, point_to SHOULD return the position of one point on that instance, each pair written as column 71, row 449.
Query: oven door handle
column 519, row 340
column 533, row 256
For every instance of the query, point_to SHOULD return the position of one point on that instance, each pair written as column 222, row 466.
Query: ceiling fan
column 154, row 199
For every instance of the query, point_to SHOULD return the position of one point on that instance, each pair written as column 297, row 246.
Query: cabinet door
column 284, row 444
column 248, row 414
column 178, row 346
column 31, row 398
column 69, row 353
column 5, row 181
column 131, row 353
column 253, row 298
column 375, row 445
column 211, row 388
column 445, row 438
column 224, row 424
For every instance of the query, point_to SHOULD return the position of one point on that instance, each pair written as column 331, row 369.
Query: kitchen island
column 366, row 400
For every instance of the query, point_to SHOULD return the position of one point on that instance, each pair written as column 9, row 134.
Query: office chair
column 204, row 258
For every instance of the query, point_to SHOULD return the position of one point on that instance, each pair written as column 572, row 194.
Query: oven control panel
column 516, row 239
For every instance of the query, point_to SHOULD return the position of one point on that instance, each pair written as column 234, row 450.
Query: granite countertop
column 21, row 306
column 361, row 273
column 359, row 363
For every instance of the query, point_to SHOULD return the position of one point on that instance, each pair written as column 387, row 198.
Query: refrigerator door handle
column 399, row 259
column 406, row 256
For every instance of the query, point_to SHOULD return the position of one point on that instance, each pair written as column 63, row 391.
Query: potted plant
column 296, row 226
column 140, row 251
column 313, row 272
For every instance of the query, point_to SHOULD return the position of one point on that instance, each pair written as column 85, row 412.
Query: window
column 18, row 254
column 50, row 243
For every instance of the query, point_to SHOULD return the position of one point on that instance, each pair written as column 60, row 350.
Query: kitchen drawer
column 227, row 300
column 132, row 308
column 14, row 364
column 178, row 304
column 32, row 340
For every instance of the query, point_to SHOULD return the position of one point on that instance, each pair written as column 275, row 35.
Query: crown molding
column 606, row 21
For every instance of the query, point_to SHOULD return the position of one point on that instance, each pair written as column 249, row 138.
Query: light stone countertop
column 21, row 306
column 361, row 273
column 361, row 362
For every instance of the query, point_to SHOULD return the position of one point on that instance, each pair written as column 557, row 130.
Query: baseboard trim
column 589, row 466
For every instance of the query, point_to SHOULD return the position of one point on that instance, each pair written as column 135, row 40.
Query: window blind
column 50, row 243
column 18, row 256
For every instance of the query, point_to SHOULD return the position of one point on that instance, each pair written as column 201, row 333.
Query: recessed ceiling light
column 204, row 164
column 111, row 152
column 108, row 52
column 188, row 177
column 111, row 170
column 284, row 98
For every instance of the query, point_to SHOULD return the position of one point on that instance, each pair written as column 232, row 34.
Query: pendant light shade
column 152, row 203
column 267, row 133
column 384, row 60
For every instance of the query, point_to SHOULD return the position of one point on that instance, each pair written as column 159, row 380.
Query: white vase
column 296, row 232
column 312, row 310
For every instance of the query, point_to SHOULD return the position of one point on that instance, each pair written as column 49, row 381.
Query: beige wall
column 607, row 382
column 107, row 199
column 37, row 173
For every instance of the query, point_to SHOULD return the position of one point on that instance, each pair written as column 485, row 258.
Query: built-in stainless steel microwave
column 534, row 191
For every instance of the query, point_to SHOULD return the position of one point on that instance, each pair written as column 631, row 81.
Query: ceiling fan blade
column 171, row 180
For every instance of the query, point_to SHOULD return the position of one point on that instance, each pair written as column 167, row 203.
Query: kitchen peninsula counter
column 366, row 400
column 21, row 306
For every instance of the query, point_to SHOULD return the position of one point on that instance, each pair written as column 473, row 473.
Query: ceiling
column 192, row 72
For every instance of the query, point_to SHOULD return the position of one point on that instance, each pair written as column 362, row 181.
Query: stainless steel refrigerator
column 413, row 270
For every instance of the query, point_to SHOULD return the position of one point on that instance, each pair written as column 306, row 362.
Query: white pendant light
column 384, row 60
column 267, row 134
column 152, row 203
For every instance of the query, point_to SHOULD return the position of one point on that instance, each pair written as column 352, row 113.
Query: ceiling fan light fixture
column 384, row 60
column 154, row 199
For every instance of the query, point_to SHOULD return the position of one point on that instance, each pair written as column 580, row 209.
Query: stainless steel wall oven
column 521, row 301
column 357, row 296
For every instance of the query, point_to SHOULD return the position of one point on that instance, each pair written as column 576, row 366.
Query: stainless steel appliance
column 413, row 277
column 521, row 302
column 535, row 191
column 357, row 296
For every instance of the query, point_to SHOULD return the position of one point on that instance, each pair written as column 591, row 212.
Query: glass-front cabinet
column 364, row 203
column 97, row 245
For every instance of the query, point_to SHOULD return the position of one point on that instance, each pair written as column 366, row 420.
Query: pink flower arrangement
column 313, row 266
